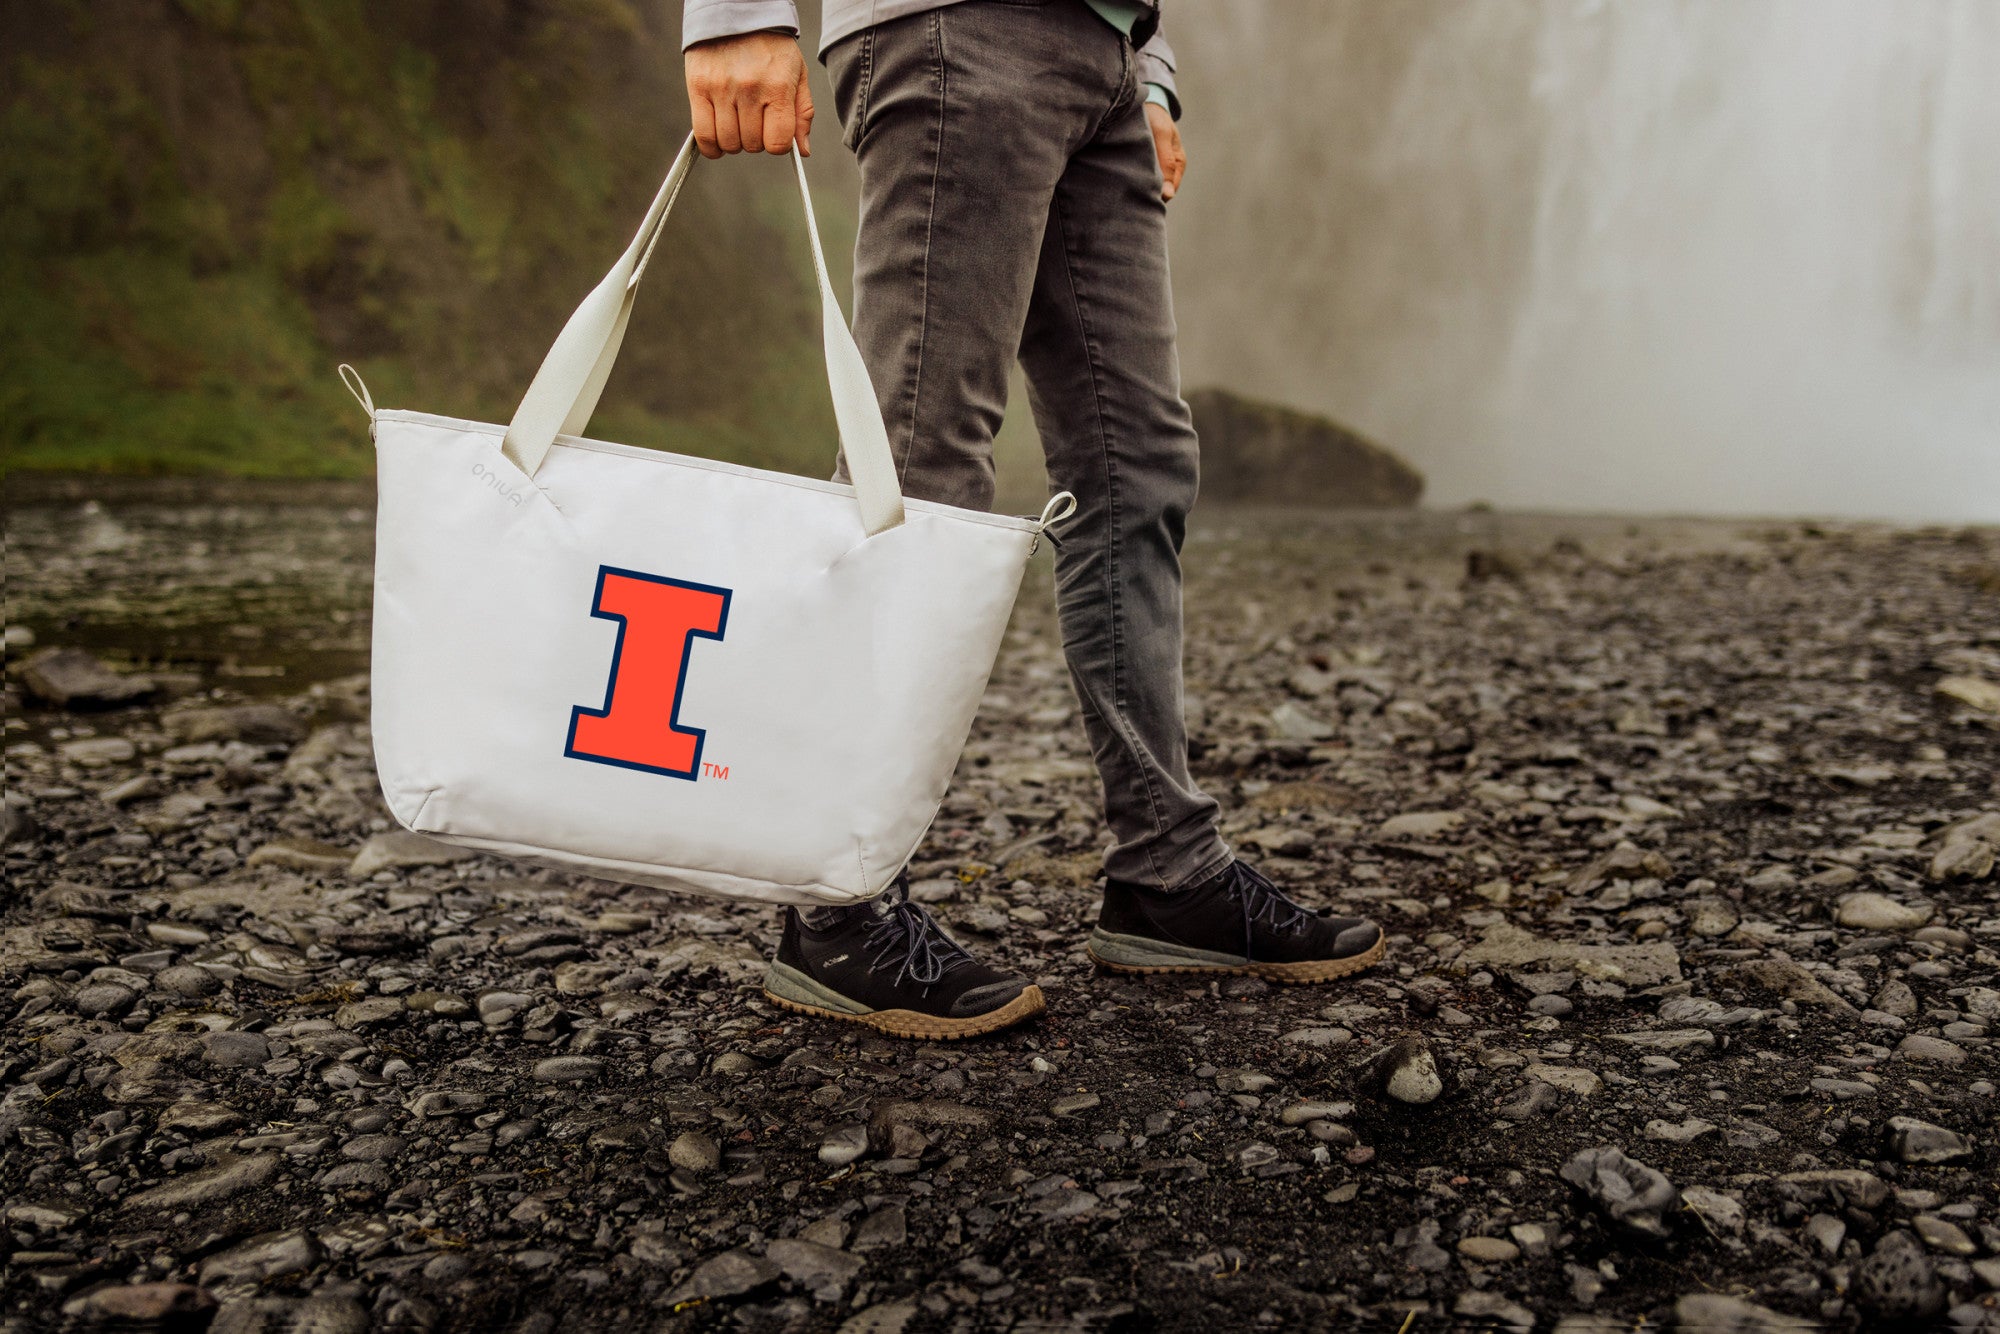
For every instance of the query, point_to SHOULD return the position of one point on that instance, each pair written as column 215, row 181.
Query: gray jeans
column 1010, row 205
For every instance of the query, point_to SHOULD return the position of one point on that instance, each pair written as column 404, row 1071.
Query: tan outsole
column 1291, row 974
column 934, row 1028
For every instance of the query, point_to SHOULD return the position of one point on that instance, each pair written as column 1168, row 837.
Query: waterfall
column 1717, row 256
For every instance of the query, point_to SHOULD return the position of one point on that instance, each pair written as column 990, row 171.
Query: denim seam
column 936, row 26
column 1120, row 721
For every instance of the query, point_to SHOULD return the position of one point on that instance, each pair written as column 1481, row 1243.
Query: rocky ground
column 1684, row 835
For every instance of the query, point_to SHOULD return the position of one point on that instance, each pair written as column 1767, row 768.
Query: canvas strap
column 565, row 390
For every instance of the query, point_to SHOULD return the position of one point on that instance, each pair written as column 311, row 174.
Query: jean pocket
column 850, row 64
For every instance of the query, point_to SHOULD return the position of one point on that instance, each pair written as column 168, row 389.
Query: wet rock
column 188, row 981
column 105, row 1000
column 235, row 1051
column 196, row 1116
column 98, row 751
column 1723, row 1213
column 1570, row 1079
column 70, row 678
column 258, row 724
column 1717, row 1313
column 1073, row 1103
column 1493, row 1310
column 1929, row 1050
column 268, row 1255
column 1879, row 912
column 1630, row 1192
column 399, row 849
column 1898, row 1281
column 843, row 1144
column 1407, row 1072
column 694, row 1152
column 730, row 1274
column 1788, row 981
column 567, row 1069
column 1916, row 1141
column 884, row 1229
column 367, row 1013
column 1941, row 1234
column 1841, row 1186
column 141, row 1306
column 1488, row 1250
column 303, row 854
column 824, row 1271
column 1506, row 946
column 230, row 1175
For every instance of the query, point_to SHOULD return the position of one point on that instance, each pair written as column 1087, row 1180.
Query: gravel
column 1687, row 1019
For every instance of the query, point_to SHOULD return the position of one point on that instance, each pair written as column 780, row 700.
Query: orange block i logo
column 639, row 726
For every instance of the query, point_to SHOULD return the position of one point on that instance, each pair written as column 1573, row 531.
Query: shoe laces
column 1263, row 901
column 927, row 952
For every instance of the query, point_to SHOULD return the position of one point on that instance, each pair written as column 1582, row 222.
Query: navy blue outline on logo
column 617, row 651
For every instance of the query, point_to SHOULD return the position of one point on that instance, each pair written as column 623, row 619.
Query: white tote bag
column 668, row 670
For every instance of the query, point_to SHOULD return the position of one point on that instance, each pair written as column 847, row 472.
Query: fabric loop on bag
column 566, row 388
column 355, row 386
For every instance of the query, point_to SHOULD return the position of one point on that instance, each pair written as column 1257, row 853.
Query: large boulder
column 1252, row 451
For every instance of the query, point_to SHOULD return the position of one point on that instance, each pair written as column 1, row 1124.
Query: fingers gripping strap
column 565, row 390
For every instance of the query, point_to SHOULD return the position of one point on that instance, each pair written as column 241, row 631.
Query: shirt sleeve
column 706, row 20
column 1156, row 67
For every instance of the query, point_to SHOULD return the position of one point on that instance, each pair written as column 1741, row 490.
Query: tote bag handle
column 565, row 390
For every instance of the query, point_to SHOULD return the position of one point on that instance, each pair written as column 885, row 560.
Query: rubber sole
column 1304, row 973
column 931, row 1027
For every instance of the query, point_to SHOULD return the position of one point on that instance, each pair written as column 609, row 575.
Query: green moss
column 421, row 190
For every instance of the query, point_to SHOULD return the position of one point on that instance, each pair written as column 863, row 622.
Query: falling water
column 1726, row 256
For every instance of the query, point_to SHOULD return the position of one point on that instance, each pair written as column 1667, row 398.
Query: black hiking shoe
column 1238, row 922
column 889, row 966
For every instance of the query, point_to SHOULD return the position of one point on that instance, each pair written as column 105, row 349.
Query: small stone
column 843, row 1144
column 694, row 1152
column 567, row 1069
column 1667, row 1039
column 1879, row 912
column 196, row 1117
column 1488, row 1250
column 1941, row 1234
column 1827, row 1232
column 69, row 678
column 1680, row 1132
column 1719, row 1313
column 1421, row 824
column 1976, row 693
column 1300, row 1113
column 373, row 1148
column 231, row 1175
column 1289, row 722
column 1408, row 1073
column 1320, row 1038
column 263, row 1257
column 1932, row 1051
column 235, row 1051
column 302, row 854
column 367, row 1013
column 885, row 1229
column 824, row 1271
column 1898, row 1281
column 730, row 1274
column 1074, row 1103
column 399, row 849
column 187, row 980
column 141, row 1306
column 1569, row 1078
column 103, row 1000
column 1916, row 1141
column 97, row 751
column 1719, row 1211
column 1555, row 1007
column 1711, row 917
column 1629, row 1191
